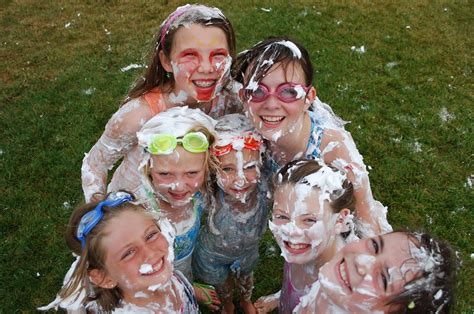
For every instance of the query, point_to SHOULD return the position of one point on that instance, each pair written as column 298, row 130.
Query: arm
column 117, row 140
column 339, row 150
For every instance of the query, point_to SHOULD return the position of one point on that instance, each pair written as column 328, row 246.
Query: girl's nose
column 364, row 264
column 177, row 186
column 271, row 102
column 206, row 66
column 239, row 181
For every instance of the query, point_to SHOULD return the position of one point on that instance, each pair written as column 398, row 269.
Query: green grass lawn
column 409, row 97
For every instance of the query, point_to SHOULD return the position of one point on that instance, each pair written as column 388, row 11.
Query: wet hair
column 253, row 64
column 432, row 291
column 92, row 256
column 210, row 165
column 231, row 125
column 296, row 172
column 155, row 74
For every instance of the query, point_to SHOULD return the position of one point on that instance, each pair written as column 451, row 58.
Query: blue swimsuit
column 236, row 247
column 312, row 148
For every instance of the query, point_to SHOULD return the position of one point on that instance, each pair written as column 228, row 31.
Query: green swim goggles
column 165, row 144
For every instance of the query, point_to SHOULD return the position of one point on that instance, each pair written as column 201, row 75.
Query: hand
column 267, row 303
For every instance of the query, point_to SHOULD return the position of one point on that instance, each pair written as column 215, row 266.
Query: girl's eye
column 127, row 255
column 281, row 217
column 152, row 235
column 191, row 174
column 227, row 169
column 375, row 245
column 163, row 174
column 385, row 283
column 311, row 221
column 250, row 167
column 289, row 92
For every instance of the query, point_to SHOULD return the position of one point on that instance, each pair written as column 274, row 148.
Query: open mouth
column 297, row 248
column 343, row 274
column 150, row 270
column 178, row 196
column 240, row 190
column 204, row 83
column 272, row 120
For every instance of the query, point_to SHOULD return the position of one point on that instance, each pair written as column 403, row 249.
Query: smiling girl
column 227, row 247
column 189, row 66
column 399, row 272
column 125, row 260
column 277, row 75
column 174, row 170
column 310, row 221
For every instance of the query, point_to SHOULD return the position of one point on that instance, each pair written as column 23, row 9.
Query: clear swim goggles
column 165, row 144
column 92, row 218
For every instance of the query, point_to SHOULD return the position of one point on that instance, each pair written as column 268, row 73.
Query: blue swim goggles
column 92, row 218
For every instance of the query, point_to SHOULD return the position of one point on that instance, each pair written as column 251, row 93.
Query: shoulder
column 131, row 116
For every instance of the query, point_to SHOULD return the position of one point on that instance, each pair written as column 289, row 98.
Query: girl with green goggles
column 174, row 169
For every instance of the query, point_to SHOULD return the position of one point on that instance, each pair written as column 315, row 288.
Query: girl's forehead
column 179, row 159
column 199, row 36
column 231, row 157
column 299, row 199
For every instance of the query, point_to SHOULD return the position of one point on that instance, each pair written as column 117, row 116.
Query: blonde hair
column 210, row 165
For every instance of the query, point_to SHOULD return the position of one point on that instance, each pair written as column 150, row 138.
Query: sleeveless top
column 289, row 296
column 184, row 243
column 313, row 150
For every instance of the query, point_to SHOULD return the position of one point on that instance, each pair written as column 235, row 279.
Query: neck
column 293, row 144
column 241, row 205
column 158, row 300
column 175, row 213
column 174, row 99
column 328, row 252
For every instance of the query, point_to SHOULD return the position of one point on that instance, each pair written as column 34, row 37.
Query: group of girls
column 191, row 157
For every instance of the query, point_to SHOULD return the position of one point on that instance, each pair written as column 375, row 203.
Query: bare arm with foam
column 117, row 140
column 267, row 303
column 339, row 150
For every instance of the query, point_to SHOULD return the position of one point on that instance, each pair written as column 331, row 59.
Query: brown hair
column 420, row 295
column 155, row 74
column 254, row 61
column 295, row 172
column 92, row 256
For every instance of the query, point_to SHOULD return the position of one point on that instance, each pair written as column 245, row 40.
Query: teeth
column 297, row 246
column 342, row 271
column 272, row 118
column 158, row 266
column 204, row 84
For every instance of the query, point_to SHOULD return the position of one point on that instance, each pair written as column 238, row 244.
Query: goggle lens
column 286, row 92
column 165, row 144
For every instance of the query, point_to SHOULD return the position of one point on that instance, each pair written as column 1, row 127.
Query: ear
column 310, row 96
column 101, row 279
column 165, row 62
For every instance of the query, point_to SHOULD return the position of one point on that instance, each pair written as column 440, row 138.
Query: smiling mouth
column 178, row 196
column 156, row 268
column 204, row 83
column 296, row 248
column 272, row 120
column 343, row 274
